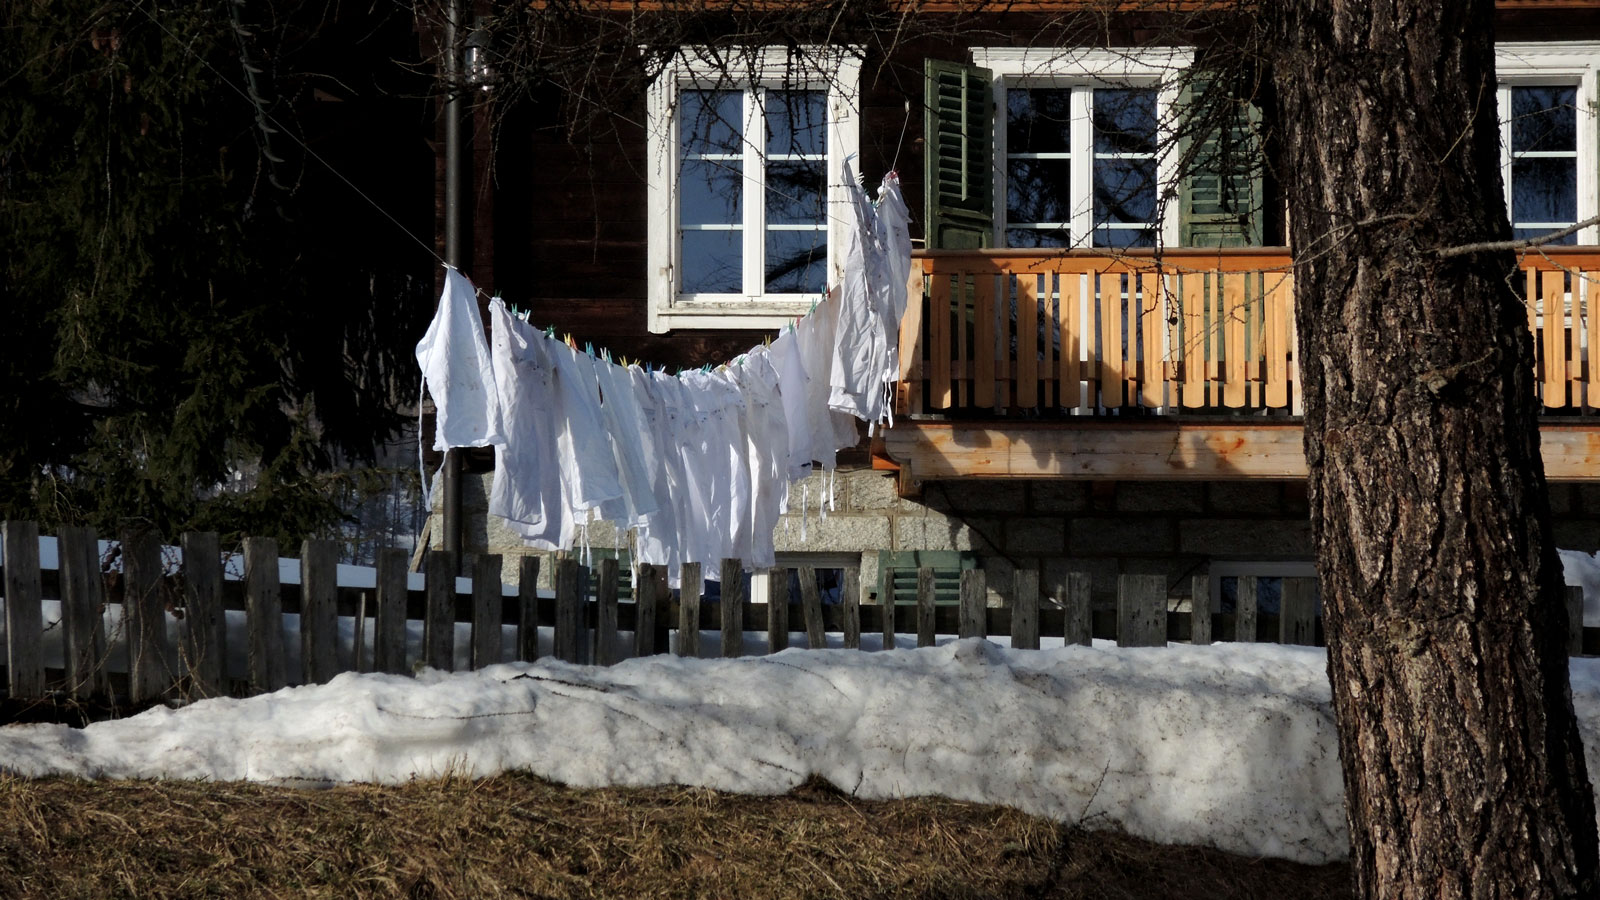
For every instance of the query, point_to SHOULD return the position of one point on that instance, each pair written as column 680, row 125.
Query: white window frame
column 1558, row 62
column 834, row 69
column 1227, row 568
column 1107, row 68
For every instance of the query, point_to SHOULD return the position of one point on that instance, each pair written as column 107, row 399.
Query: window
column 743, row 175
column 1077, row 144
column 1547, row 96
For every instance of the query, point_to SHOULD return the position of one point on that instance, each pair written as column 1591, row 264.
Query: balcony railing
column 1188, row 332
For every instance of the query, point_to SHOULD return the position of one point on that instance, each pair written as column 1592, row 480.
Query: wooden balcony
column 1050, row 364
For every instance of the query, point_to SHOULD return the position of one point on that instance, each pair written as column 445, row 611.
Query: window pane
column 1038, row 190
column 710, row 121
column 1544, row 190
column 1038, row 237
column 795, row 193
column 1124, row 237
column 797, row 122
column 713, row 261
column 1038, row 120
column 708, row 192
column 797, row 261
column 1124, row 190
column 1124, row 120
column 1544, row 118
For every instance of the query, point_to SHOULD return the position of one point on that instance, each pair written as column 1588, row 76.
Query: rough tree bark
column 1463, row 769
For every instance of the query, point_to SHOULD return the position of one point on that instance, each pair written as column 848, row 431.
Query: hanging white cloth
column 454, row 356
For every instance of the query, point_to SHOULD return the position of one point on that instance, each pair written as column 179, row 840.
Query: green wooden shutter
column 1221, row 200
column 958, row 145
column 624, row 571
column 901, row 566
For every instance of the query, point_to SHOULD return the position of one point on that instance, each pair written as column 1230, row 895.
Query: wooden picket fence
column 587, row 626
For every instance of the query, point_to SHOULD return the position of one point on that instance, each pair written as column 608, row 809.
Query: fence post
column 569, row 610
column 206, row 637
column 319, row 610
column 732, row 608
column 149, row 673
column 1025, row 610
column 389, row 628
column 646, row 602
column 926, row 607
column 1078, row 617
column 811, row 606
column 439, row 616
column 263, row 610
column 82, row 595
column 886, row 602
column 974, row 603
column 1142, row 611
column 528, row 608
column 1246, row 606
column 850, row 597
column 24, row 616
column 689, row 610
column 488, row 611
column 1200, row 610
column 778, row 610
column 1574, row 621
column 1297, row 612
column 605, row 638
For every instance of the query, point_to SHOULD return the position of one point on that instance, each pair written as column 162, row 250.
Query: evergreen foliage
column 204, row 327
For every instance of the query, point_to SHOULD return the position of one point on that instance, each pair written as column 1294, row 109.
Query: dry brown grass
column 517, row 836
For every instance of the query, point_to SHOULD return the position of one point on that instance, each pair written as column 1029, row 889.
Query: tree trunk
column 1463, row 769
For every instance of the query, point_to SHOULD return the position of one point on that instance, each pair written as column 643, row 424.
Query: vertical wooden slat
column 149, row 674
column 1574, row 600
column 910, row 336
column 1574, row 332
column 439, row 615
column 1277, row 340
column 358, row 646
column 1027, row 340
column 488, row 611
column 1079, row 616
column 1025, row 610
column 1555, row 340
column 850, row 599
column 1048, row 397
column 605, row 619
column 983, row 338
column 528, row 608
column 940, row 347
column 1141, row 611
column 1246, row 608
column 1194, row 339
column 1297, row 612
column 83, row 595
column 263, row 612
column 689, row 610
column 926, row 607
column 1151, row 356
column 974, row 602
column 811, row 605
column 569, row 610
column 1234, row 318
column 961, row 354
column 1110, row 345
column 778, row 610
column 733, row 604
column 646, row 602
column 1589, row 283
column 319, row 611
column 24, row 615
column 1068, row 310
column 205, row 643
column 1200, row 610
column 1297, row 400
column 389, row 627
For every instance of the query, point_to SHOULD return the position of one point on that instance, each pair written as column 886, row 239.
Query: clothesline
column 697, row 465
